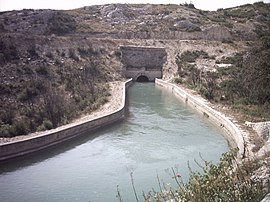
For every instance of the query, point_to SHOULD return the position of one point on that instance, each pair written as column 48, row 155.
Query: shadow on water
column 18, row 163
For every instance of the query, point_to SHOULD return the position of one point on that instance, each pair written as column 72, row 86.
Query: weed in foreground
column 229, row 180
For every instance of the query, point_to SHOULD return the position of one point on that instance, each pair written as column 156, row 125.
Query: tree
column 210, row 85
column 55, row 106
column 256, row 75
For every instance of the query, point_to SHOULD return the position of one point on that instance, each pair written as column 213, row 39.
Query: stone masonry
column 143, row 61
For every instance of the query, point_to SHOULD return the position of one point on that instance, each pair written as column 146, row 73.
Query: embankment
column 214, row 116
column 56, row 136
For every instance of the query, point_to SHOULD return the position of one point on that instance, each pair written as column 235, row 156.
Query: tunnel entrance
column 147, row 61
column 142, row 79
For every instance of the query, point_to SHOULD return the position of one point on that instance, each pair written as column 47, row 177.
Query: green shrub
column 5, row 130
column 21, row 128
column 191, row 56
column 28, row 93
column 236, row 59
column 46, row 125
column 227, row 181
column 242, row 101
column 206, row 93
column 61, row 23
column 241, row 13
column 178, row 80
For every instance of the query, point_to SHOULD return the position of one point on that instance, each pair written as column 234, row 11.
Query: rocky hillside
column 143, row 21
column 55, row 64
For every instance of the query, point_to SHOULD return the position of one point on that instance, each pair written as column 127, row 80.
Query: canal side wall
column 214, row 116
column 52, row 137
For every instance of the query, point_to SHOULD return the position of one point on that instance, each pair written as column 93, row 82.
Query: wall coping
column 232, row 131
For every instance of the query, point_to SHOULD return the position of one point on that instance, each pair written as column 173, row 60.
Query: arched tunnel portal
column 143, row 63
column 142, row 78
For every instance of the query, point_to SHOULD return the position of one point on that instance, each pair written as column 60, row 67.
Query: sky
column 6, row 5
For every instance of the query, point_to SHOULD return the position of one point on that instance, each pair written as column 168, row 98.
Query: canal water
column 158, row 134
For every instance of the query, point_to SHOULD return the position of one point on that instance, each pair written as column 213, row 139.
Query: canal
column 159, row 133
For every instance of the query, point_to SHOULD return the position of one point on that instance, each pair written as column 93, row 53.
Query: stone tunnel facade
column 143, row 62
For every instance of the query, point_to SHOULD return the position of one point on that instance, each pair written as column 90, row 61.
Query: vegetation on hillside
column 120, row 20
column 243, row 84
column 42, row 88
column 61, row 23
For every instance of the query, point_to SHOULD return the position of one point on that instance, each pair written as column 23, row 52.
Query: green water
column 159, row 133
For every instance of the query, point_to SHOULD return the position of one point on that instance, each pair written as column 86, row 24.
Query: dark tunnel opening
column 142, row 79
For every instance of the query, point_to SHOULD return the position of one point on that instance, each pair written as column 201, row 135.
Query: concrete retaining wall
column 214, row 116
column 143, row 61
column 33, row 144
column 152, row 58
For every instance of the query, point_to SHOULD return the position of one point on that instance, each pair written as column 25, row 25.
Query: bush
column 5, row 130
column 73, row 54
column 46, row 125
column 206, row 93
column 242, row 101
column 191, row 56
column 8, row 52
column 20, row 128
column 189, row 5
column 61, row 23
column 28, row 93
column 227, row 181
column 32, row 51
column 49, row 97
column 50, row 55
column 241, row 13
column 252, row 75
column 42, row 70
column 89, row 51
column 178, row 80
column 229, row 41
column 236, row 59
